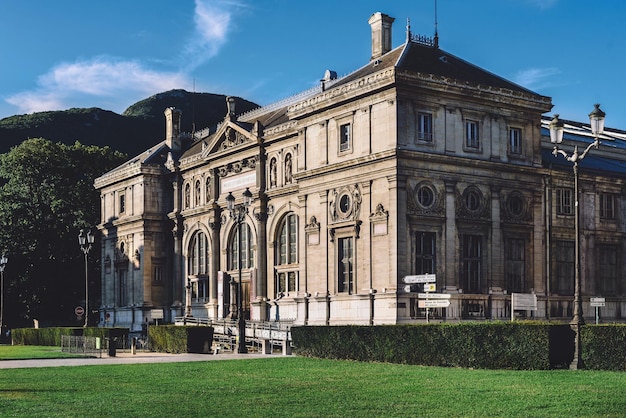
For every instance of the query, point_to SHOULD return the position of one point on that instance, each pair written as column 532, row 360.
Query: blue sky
column 109, row 54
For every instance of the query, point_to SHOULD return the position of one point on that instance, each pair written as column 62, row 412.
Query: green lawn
column 19, row 352
column 303, row 387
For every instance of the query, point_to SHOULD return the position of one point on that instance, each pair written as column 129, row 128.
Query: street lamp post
column 3, row 263
column 596, row 119
column 238, row 214
column 85, row 241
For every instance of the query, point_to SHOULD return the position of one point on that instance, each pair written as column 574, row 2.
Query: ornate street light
column 238, row 214
column 3, row 263
column 85, row 241
column 596, row 119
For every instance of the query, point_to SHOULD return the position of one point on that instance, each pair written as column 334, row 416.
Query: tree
column 46, row 197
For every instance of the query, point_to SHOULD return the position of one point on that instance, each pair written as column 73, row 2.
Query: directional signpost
column 428, row 300
column 420, row 278
column 597, row 303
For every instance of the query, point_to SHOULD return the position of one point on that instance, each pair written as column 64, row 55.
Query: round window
column 345, row 204
column 425, row 196
column 473, row 199
column 515, row 204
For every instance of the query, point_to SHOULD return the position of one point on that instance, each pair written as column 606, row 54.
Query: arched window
column 197, row 192
column 198, row 255
column 287, row 241
column 247, row 252
column 287, row 255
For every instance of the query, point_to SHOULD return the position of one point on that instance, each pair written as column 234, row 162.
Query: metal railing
column 89, row 346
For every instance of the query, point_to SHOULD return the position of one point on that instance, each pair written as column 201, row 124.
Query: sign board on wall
column 237, row 182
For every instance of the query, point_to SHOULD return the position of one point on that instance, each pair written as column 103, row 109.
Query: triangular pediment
column 229, row 135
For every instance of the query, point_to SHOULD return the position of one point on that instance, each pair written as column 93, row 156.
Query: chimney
column 381, row 34
column 172, row 128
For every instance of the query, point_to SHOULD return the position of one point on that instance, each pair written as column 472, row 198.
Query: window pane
column 344, row 140
column 425, row 127
column 472, row 264
column 345, row 265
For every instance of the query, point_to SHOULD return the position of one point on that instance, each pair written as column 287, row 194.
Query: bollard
column 133, row 346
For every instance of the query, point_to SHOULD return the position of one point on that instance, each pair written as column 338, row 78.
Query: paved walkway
column 128, row 358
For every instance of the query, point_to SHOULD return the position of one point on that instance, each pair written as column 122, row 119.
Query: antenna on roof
column 408, row 30
column 436, row 34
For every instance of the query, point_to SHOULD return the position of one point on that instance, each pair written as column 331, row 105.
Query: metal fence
column 89, row 346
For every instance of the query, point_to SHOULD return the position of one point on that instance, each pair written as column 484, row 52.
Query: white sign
column 237, row 182
column 420, row 278
column 598, row 302
column 407, row 289
column 156, row 313
column 433, row 295
column 433, row 303
column 524, row 301
column 430, row 287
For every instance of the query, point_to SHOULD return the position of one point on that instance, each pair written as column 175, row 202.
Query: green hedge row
column 52, row 336
column 180, row 339
column 604, row 347
column 491, row 345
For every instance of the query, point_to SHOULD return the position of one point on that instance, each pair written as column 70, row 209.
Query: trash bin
column 112, row 346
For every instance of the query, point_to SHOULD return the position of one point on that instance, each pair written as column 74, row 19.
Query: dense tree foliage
column 46, row 197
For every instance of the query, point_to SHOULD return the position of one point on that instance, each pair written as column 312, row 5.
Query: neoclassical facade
column 417, row 162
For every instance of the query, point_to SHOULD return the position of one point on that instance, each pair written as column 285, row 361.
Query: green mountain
column 138, row 128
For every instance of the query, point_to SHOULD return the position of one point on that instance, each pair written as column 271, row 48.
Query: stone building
column 416, row 163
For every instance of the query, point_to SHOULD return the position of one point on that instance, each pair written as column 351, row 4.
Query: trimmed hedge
column 180, row 339
column 52, row 336
column 604, row 347
column 489, row 345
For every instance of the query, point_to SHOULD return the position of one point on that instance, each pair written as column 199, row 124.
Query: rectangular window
column 158, row 274
column 563, row 281
column 287, row 282
column 564, row 204
column 472, row 264
column 515, row 140
column 122, row 288
column 345, row 138
column 607, row 206
column 425, row 127
column 425, row 250
column 199, row 290
column 122, row 202
column 471, row 134
column 514, row 253
column 345, row 254
column 606, row 279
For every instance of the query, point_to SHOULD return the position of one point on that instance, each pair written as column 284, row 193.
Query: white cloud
column 212, row 24
column 100, row 77
column 536, row 78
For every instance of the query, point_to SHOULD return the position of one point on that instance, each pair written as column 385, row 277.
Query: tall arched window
column 198, row 267
column 287, row 255
column 198, row 254
column 247, row 252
